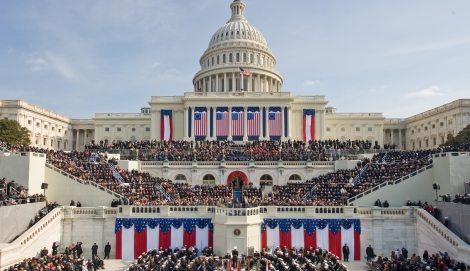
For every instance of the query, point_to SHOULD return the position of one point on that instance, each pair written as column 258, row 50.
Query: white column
column 245, row 132
column 210, row 84
column 323, row 124
column 204, row 84
column 192, row 123
column 76, row 143
column 249, row 83
column 261, row 122
column 185, row 128
column 84, row 139
column 282, row 122
column 266, row 88
column 258, row 84
column 229, row 123
column 214, row 136
column 267, row 123
column 225, row 82
column 271, row 85
column 400, row 144
column 217, row 83
column 289, row 122
column 242, row 86
column 208, row 125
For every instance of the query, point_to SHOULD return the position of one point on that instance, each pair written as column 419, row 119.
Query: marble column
column 267, row 123
column 245, row 131
column 258, row 84
column 289, row 122
column 185, row 128
column 283, row 108
column 84, row 138
column 77, row 139
column 229, row 123
column 242, row 86
column 214, row 118
column 192, row 123
column 204, row 84
column 400, row 144
column 217, row 83
column 208, row 122
column 261, row 122
column 225, row 82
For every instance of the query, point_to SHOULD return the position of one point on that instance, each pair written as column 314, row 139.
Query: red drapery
column 357, row 246
column 140, row 243
column 119, row 244
column 189, row 239
column 211, row 238
column 237, row 174
column 285, row 239
column 264, row 239
column 164, row 240
column 310, row 240
column 335, row 243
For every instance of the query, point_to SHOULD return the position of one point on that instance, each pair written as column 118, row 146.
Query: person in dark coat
column 107, row 250
column 79, row 249
column 386, row 205
column 369, row 253
column 378, row 203
column 346, row 252
column 94, row 250
column 54, row 249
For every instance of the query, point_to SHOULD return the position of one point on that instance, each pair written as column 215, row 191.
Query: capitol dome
column 237, row 30
column 237, row 59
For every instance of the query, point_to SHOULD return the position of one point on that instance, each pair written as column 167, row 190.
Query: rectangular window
column 425, row 128
column 412, row 132
column 434, row 141
column 147, row 129
column 427, row 143
column 358, row 129
column 217, row 60
column 223, row 58
column 442, row 123
column 419, row 130
column 419, row 144
column 52, row 142
column 238, row 57
column 45, row 126
column 44, row 142
column 52, row 128
column 37, row 124
column 434, row 126
column 65, row 133
column 29, row 122
column 212, row 61
column 327, row 129
column 442, row 140
column 36, row 141
column 106, row 129
column 230, row 58
column 119, row 129
column 251, row 58
column 369, row 129
column 60, row 130
column 450, row 121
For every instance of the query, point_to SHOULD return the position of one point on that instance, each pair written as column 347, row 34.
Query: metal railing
column 362, row 172
column 163, row 192
column 88, row 182
column 397, row 181
column 116, row 174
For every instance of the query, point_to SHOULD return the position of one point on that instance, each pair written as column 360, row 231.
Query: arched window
column 223, row 58
column 133, row 139
column 212, row 61
column 208, row 179
column 238, row 57
column 217, row 60
column 180, row 178
column 207, row 62
column 295, row 177
column 244, row 57
column 251, row 58
column 230, row 57
column 266, row 177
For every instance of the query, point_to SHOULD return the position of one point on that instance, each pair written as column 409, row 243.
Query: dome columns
column 234, row 81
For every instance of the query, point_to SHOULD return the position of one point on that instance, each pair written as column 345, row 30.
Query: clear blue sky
column 78, row 58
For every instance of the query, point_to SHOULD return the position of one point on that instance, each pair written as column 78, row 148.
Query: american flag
column 252, row 122
column 275, row 125
column 200, row 123
column 244, row 71
column 221, row 122
column 237, row 122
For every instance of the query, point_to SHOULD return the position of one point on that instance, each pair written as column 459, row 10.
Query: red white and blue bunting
column 137, row 235
column 329, row 234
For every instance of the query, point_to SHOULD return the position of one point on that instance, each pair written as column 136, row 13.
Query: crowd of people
column 189, row 258
column 13, row 194
column 400, row 260
column 265, row 150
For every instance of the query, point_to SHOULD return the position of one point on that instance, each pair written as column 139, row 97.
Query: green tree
column 462, row 137
column 12, row 132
